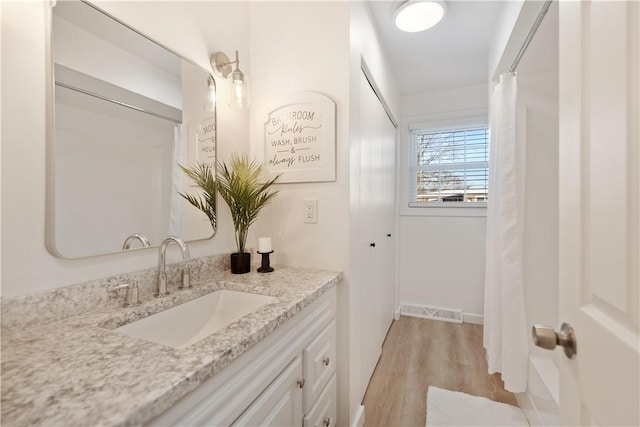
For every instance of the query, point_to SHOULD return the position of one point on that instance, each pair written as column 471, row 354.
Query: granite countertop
column 79, row 372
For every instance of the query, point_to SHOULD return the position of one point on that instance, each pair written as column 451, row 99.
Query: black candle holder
column 265, row 267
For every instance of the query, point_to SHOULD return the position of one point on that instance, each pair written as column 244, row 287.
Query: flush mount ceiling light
column 413, row 16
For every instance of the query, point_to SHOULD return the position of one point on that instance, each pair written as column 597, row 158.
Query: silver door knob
column 546, row 337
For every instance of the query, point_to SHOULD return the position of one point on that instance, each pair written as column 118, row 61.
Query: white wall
column 26, row 265
column 291, row 43
column 442, row 263
column 441, row 250
column 538, row 94
column 288, row 40
column 513, row 25
column 538, row 90
column 1, row 103
column 304, row 46
column 503, row 31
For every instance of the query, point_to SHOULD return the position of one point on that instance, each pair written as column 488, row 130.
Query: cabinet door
column 324, row 413
column 280, row 404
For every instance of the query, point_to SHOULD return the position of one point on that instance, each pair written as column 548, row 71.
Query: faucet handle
column 132, row 296
column 134, row 293
column 186, row 279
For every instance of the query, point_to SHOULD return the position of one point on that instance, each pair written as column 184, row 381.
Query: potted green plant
column 240, row 186
column 202, row 174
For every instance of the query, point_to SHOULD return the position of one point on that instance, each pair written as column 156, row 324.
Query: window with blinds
column 451, row 166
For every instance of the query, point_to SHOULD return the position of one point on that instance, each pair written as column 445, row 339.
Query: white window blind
column 451, row 166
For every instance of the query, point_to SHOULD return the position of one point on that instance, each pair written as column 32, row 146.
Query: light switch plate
column 310, row 211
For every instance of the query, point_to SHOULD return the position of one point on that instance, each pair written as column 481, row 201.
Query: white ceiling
column 452, row 54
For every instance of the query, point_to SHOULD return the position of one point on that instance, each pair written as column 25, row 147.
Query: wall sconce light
column 222, row 66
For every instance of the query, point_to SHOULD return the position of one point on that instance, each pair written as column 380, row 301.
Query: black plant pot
column 240, row 262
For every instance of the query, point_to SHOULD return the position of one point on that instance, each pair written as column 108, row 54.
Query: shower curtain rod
column 115, row 101
column 532, row 32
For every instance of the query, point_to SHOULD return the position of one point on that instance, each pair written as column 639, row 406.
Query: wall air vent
column 435, row 313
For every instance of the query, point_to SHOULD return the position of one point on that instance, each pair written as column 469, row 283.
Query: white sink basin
column 188, row 323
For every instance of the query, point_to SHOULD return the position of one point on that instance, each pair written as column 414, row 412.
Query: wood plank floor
column 419, row 353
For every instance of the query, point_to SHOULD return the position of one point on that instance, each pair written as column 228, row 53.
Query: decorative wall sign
column 203, row 145
column 300, row 138
column 201, row 142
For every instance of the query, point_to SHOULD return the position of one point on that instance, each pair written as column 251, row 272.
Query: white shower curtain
column 505, row 331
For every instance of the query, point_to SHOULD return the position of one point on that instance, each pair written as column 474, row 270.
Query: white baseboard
column 526, row 404
column 540, row 402
column 478, row 319
column 396, row 313
column 358, row 418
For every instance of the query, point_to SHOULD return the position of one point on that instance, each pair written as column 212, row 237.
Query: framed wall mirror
column 125, row 112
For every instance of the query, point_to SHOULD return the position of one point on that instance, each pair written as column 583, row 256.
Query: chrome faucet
column 162, row 276
column 136, row 236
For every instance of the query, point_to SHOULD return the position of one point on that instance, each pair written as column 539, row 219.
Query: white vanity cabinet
column 287, row 379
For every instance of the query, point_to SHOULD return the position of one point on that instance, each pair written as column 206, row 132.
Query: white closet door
column 388, row 225
column 377, row 210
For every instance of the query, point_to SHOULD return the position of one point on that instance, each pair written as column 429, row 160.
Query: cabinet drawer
column 319, row 361
column 325, row 412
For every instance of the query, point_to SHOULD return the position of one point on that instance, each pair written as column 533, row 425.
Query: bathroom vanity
column 287, row 377
column 273, row 366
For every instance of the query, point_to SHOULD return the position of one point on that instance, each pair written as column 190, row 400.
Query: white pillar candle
column 264, row 244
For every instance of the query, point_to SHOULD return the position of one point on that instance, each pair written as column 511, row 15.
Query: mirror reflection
column 127, row 111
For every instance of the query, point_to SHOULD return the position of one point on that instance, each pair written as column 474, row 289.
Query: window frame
column 407, row 207
column 413, row 136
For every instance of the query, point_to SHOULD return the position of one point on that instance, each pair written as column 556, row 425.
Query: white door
column 599, row 223
column 376, row 221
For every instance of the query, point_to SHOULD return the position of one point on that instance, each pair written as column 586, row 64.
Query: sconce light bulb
column 237, row 76
column 239, row 89
column 239, row 93
column 211, row 94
